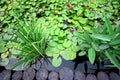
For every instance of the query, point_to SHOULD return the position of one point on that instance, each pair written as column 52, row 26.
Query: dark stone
column 36, row 65
column 17, row 75
column 79, row 75
column 53, row 76
column 102, row 76
column 5, row 75
column 66, row 74
column 91, row 77
column 41, row 74
column 29, row 74
column 114, row 76
column 119, row 72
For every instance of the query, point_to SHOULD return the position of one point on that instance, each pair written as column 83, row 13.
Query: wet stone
column 36, row 65
column 114, row 76
column 53, row 76
column 91, row 77
column 41, row 74
column 79, row 75
column 119, row 72
column 17, row 75
column 5, row 75
column 102, row 76
column 29, row 74
column 66, row 74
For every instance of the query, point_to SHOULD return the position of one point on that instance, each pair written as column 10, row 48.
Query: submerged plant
column 32, row 40
column 102, row 43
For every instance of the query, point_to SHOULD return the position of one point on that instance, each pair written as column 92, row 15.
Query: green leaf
column 113, row 59
column 75, row 48
column 115, row 42
column 67, row 44
column 82, row 53
column 91, row 55
column 108, row 25
column 50, row 51
column 57, row 31
column 60, row 46
column 104, row 46
column 70, row 36
column 95, row 46
column 82, row 20
column 19, row 63
column 56, row 62
column 116, row 51
column 52, row 43
column 102, row 37
column 2, row 48
column 68, row 54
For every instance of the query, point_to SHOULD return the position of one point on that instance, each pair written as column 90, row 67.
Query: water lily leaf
column 52, row 43
column 67, row 44
column 70, row 36
column 56, row 61
column 51, row 51
column 91, row 55
column 4, row 62
column 68, row 54
column 57, row 31
column 82, row 20
column 75, row 48
column 82, row 53
column 60, row 46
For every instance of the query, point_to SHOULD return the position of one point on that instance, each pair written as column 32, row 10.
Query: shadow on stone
column 102, row 76
column 114, row 76
column 29, row 74
column 91, row 77
column 79, row 75
column 17, row 75
column 41, row 74
column 66, row 74
column 53, row 76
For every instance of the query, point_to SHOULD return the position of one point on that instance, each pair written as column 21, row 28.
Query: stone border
column 64, row 74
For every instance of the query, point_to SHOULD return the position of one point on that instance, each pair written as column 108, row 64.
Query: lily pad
column 56, row 61
column 67, row 44
column 68, row 54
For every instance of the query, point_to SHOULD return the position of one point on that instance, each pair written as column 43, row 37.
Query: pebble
column 102, row 76
column 17, row 75
column 29, row 74
column 41, row 74
column 91, row 77
column 114, row 76
column 53, row 76
column 5, row 75
column 66, row 74
column 79, row 75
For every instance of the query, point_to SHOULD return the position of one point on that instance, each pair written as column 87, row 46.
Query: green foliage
column 62, row 21
column 32, row 42
column 102, row 42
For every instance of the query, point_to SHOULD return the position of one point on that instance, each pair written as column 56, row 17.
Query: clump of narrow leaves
column 102, row 43
column 32, row 40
